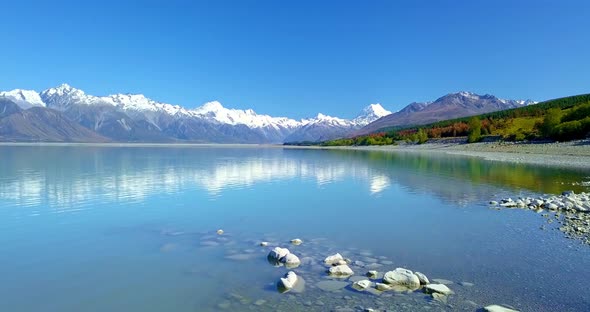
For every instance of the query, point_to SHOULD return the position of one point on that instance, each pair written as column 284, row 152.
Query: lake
column 107, row 228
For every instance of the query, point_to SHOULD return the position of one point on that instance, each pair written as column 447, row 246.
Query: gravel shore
column 574, row 154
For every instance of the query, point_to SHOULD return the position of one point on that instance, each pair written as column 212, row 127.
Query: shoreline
column 572, row 154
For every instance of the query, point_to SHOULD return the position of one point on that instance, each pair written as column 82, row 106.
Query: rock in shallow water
column 382, row 287
column 342, row 270
column 372, row 274
column 287, row 282
column 331, row 285
column 437, row 288
column 333, row 259
column 296, row 241
column 291, row 261
column 362, row 284
column 402, row 277
column 442, row 281
column 422, row 278
column 497, row 308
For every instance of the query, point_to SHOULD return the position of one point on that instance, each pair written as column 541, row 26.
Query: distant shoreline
column 573, row 154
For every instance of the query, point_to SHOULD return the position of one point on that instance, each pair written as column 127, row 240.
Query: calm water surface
column 133, row 229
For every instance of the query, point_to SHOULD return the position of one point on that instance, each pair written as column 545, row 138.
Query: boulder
column 422, row 278
column 287, row 282
column 296, row 241
column 342, row 270
column 372, row 274
column 437, row 288
column 382, row 287
column 402, row 277
column 333, row 259
column 278, row 253
column 291, row 261
column 362, row 284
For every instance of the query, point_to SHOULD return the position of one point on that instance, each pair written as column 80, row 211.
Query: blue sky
column 298, row 58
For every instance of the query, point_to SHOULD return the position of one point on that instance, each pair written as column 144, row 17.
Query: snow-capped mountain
column 324, row 127
column 23, row 98
column 134, row 117
column 370, row 114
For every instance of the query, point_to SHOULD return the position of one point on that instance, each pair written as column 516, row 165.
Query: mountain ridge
column 134, row 117
column 449, row 106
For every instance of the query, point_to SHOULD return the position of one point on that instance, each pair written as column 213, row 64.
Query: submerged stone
column 497, row 308
column 437, row 288
column 362, row 284
column 331, row 285
column 342, row 270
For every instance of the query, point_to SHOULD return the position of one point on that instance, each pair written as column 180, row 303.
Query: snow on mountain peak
column 370, row 114
column 24, row 98
column 213, row 106
column 214, row 111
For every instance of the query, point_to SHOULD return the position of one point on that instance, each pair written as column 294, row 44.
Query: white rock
column 422, row 278
column 340, row 262
column 363, row 284
column 437, row 288
column 220, row 232
column 497, row 308
column 372, row 274
column 341, row 270
column 278, row 253
column 401, row 276
column 287, row 282
column 382, row 287
column 296, row 241
column 333, row 259
column 291, row 261
column 263, row 244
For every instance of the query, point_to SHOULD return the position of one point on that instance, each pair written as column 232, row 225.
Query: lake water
column 91, row 228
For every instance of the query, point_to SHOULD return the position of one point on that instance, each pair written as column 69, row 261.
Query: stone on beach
column 342, row 270
column 402, row 277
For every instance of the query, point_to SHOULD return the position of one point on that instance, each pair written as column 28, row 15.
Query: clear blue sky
column 298, row 58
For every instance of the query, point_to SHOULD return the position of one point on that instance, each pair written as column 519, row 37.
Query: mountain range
column 67, row 114
column 450, row 106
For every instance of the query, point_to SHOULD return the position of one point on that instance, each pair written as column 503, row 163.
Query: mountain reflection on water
column 64, row 176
